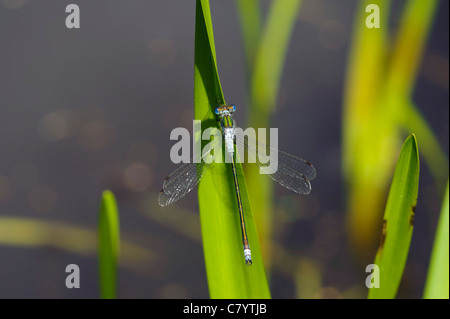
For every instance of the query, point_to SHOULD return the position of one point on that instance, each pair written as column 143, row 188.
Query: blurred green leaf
column 250, row 18
column 266, row 49
column 71, row 239
column 380, row 80
column 433, row 154
column 108, row 245
column 364, row 165
column 410, row 41
column 398, row 221
column 408, row 49
column 271, row 53
column 228, row 276
column 437, row 284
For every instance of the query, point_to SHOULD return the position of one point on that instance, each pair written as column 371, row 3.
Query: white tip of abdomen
column 248, row 257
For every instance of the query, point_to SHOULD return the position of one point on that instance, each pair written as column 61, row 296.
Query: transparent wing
column 185, row 178
column 293, row 172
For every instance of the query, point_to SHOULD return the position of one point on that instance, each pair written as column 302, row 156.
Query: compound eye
column 217, row 111
column 231, row 108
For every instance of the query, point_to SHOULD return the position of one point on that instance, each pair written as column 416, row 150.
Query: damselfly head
column 225, row 109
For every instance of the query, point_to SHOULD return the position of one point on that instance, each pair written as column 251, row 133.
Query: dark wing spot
column 308, row 163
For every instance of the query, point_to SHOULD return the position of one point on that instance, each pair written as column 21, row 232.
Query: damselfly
column 293, row 172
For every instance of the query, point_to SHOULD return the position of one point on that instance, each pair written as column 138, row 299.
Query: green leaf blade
column 251, row 23
column 266, row 48
column 437, row 284
column 398, row 221
column 271, row 53
column 108, row 245
column 227, row 274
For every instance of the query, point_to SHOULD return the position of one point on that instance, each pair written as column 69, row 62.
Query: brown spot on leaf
column 412, row 214
column 383, row 235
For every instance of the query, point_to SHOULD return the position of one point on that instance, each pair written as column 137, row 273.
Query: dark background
column 86, row 109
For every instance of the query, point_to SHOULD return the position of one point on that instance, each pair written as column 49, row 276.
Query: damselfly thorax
column 224, row 113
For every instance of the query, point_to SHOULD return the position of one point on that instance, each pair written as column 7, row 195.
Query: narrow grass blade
column 398, row 221
column 433, row 155
column 37, row 233
column 269, row 59
column 108, row 245
column 365, row 167
column 437, row 284
column 410, row 42
column 271, row 53
column 250, row 18
column 228, row 276
column 380, row 79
